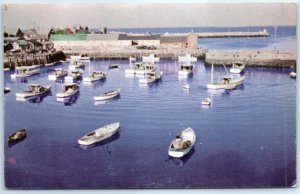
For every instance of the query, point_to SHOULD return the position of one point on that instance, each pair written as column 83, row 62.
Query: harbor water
column 246, row 138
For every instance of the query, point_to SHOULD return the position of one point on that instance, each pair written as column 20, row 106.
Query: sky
column 127, row 15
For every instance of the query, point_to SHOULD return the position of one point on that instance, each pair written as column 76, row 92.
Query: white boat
column 227, row 83
column 182, row 143
column 99, row 134
column 185, row 69
column 131, row 59
column 237, row 67
column 25, row 71
column 68, row 90
column 73, row 75
column 96, row 75
column 206, row 101
column 150, row 58
column 58, row 73
column 76, row 64
column 151, row 77
column 33, row 90
column 140, row 68
column 186, row 86
column 188, row 58
column 108, row 95
column 80, row 57
column 293, row 74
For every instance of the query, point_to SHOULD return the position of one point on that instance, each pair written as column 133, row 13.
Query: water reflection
column 102, row 102
column 20, row 80
column 16, row 142
column 35, row 99
column 68, row 101
column 180, row 161
column 95, row 84
column 116, row 136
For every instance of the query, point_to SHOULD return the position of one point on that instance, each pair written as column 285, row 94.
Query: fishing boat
column 58, row 73
column 96, row 76
column 151, row 77
column 113, row 66
column 19, row 135
column 227, row 83
column 185, row 69
column 206, row 101
column 99, row 134
column 150, row 58
column 140, row 68
column 76, row 64
column 68, row 90
column 108, row 95
column 237, row 67
column 25, row 71
column 6, row 90
column 34, row 90
column 187, row 58
column 185, row 86
column 73, row 75
column 182, row 143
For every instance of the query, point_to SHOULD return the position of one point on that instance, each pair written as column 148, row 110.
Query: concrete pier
column 252, row 58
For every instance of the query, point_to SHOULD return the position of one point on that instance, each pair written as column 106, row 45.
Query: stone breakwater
column 252, row 58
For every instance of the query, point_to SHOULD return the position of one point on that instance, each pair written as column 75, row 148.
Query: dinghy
column 96, row 76
column 182, row 143
column 108, row 95
column 69, row 90
column 21, row 134
column 34, row 90
column 6, row 90
column 113, row 66
column 206, row 101
column 99, row 134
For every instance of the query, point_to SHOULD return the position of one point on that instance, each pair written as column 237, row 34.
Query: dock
column 252, row 58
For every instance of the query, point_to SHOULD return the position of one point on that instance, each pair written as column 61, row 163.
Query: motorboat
column 237, row 67
column 187, row 58
column 227, row 83
column 96, row 76
column 58, row 73
column 185, row 86
column 113, row 66
column 185, row 69
column 73, row 75
column 34, row 90
column 19, row 135
column 150, row 58
column 108, row 95
column 25, row 71
column 140, row 68
column 206, row 101
column 68, row 90
column 76, row 64
column 182, row 143
column 99, row 134
column 151, row 77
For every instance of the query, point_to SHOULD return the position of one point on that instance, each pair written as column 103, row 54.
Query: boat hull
column 24, row 75
column 30, row 94
column 92, row 79
column 99, row 134
column 66, row 94
column 184, row 73
column 107, row 97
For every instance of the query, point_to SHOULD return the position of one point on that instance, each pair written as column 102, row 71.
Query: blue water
column 246, row 138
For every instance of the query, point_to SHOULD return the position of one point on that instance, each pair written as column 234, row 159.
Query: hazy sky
column 148, row 15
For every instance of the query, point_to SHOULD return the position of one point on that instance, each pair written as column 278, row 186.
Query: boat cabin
column 186, row 67
column 26, row 69
column 238, row 64
column 97, row 74
column 226, row 80
column 70, row 87
column 35, row 88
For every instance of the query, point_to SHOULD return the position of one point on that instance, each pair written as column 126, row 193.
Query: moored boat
column 25, row 71
column 113, row 66
column 185, row 86
column 140, row 68
column 19, row 135
column 185, row 69
column 76, row 64
column 96, row 75
column 151, row 77
column 227, row 83
column 82, row 57
column 206, row 101
column 73, row 75
column 34, row 90
column 68, row 90
column 293, row 74
column 108, row 95
column 182, row 143
column 6, row 90
column 237, row 67
column 58, row 73
column 99, row 134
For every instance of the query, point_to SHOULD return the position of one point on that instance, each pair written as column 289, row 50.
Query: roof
column 103, row 36
column 139, row 37
column 173, row 39
column 35, row 42
column 22, row 42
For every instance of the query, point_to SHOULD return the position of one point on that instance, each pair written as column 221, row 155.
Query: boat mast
column 212, row 73
column 226, row 69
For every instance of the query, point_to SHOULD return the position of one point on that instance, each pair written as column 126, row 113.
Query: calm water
column 245, row 139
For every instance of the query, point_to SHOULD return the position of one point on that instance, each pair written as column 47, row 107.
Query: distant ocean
column 285, row 39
